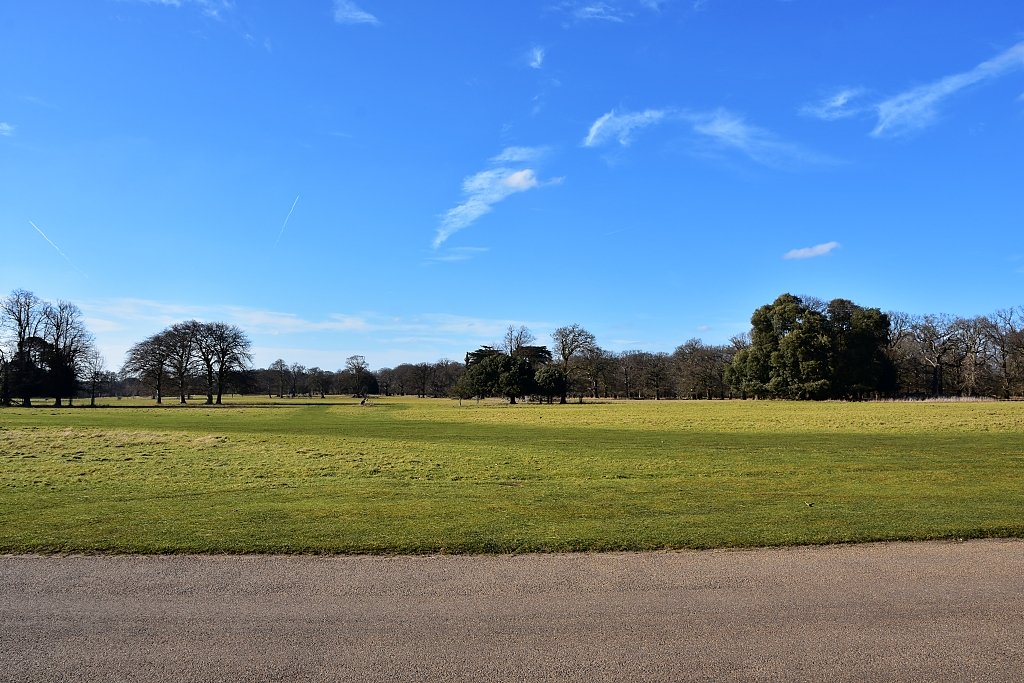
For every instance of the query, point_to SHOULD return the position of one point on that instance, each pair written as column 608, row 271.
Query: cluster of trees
column 516, row 368
column 45, row 350
column 940, row 355
column 577, row 366
column 282, row 379
column 188, row 355
column 436, row 379
column 519, row 368
column 810, row 349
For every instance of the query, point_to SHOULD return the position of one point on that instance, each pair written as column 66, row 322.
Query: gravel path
column 915, row 611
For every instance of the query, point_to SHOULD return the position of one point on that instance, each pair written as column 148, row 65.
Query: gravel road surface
column 915, row 611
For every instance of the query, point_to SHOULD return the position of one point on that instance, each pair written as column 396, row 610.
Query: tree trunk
column 209, row 387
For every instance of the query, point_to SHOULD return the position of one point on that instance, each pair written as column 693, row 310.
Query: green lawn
column 418, row 475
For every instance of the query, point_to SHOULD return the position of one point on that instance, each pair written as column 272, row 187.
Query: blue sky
column 403, row 180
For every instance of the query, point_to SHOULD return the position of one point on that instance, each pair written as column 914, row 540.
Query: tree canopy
column 802, row 351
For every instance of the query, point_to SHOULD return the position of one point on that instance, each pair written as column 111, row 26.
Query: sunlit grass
column 411, row 475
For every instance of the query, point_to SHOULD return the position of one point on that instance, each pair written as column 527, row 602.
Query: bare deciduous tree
column 280, row 371
column 222, row 349
column 69, row 345
column 95, row 373
column 569, row 343
column 22, row 319
column 1004, row 331
column 147, row 360
column 516, row 338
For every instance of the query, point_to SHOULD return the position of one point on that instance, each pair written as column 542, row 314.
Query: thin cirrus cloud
column 720, row 127
column 519, row 154
column 593, row 11
column 918, row 108
column 811, row 252
column 211, row 8
column 610, row 11
column 347, row 12
column 599, row 11
column 731, row 131
column 620, row 127
column 458, row 254
column 488, row 187
column 535, row 57
column 6, row 130
column 143, row 316
column 134, row 318
column 836, row 106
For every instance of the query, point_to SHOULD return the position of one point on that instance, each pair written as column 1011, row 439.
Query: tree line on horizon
column 799, row 348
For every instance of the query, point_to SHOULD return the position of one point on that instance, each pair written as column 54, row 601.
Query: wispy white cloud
column 483, row 191
column 835, row 106
column 326, row 341
column 600, row 11
column 211, row 8
column 721, row 127
column 457, row 254
column 611, row 11
column 519, row 154
column 535, row 57
column 811, row 252
column 6, row 130
column 592, row 10
column 274, row 322
column 730, row 130
column 347, row 12
column 267, row 44
column 918, row 108
column 655, row 6
column 121, row 313
column 614, row 125
column 112, row 315
column 38, row 101
column 486, row 188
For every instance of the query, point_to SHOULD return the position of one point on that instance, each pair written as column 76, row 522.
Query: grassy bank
column 409, row 475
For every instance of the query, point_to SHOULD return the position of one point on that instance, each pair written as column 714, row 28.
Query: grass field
column 420, row 475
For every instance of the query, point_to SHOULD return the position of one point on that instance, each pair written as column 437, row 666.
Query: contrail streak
column 56, row 247
column 285, row 224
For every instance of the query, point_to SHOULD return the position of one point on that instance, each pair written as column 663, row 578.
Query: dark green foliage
column 799, row 351
column 551, row 382
column 492, row 372
column 29, row 369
